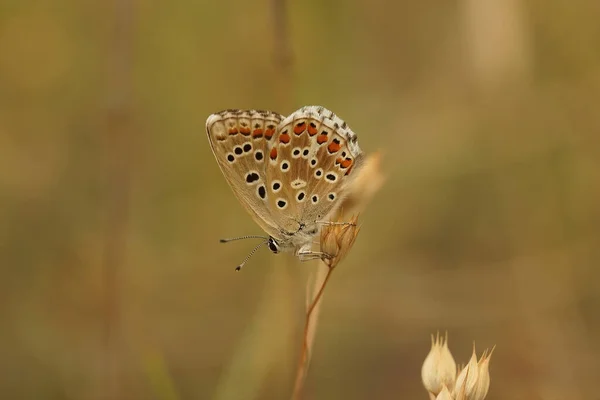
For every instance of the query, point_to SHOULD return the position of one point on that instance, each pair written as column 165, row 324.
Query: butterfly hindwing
column 312, row 159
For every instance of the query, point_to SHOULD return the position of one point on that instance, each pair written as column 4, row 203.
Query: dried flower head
column 439, row 368
column 444, row 394
column 337, row 238
column 443, row 380
column 473, row 381
column 483, row 381
column 368, row 182
column 467, row 378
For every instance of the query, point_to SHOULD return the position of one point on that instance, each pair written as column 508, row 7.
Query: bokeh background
column 112, row 281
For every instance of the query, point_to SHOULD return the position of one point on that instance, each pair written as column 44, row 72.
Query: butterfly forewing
column 239, row 140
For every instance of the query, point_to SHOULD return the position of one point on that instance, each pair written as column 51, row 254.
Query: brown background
column 112, row 284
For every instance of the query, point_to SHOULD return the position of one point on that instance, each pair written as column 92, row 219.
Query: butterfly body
column 290, row 173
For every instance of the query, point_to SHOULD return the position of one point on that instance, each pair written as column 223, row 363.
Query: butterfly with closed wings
column 290, row 173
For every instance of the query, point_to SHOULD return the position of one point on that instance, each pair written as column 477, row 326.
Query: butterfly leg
column 313, row 255
column 333, row 223
column 304, row 253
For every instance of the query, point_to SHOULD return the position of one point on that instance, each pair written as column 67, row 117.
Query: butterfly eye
column 273, row 246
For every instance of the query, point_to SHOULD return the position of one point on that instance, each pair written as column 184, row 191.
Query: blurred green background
column 113, row 286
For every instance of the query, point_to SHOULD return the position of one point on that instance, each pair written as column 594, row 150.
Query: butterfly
column 289, row 173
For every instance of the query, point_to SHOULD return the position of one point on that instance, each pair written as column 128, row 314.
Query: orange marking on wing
column 339, row 160
column 233, row 131
column 321, row 139
column 284, row 138
column 333, row 147
column 348, row 172
column 273, row 153
column 257, row 133
column 245, row 131
column 298, row 129
column 312, row 130
column 346, row 163
column 269, row 133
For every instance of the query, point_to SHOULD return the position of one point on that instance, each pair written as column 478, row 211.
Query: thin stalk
column 304, row 354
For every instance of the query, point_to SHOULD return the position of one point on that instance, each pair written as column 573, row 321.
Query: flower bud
column 439, row 368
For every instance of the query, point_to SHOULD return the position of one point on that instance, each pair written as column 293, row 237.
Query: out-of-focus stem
column 282, row 56
column 118, row 139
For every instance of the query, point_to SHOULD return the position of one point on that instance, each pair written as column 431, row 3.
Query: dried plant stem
column 282, row 56
column 118, row 167
column 306, row 343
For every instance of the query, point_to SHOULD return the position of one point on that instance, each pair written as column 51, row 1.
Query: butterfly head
column 272, row 243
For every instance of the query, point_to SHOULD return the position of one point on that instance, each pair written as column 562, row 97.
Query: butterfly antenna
column 243, row 237
column 250, row 255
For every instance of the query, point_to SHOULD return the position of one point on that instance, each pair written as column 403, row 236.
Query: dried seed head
column 467, row 378
column 483, row 381
column 444, row 394
column 337, row 238
column 439, row 368
column 460, row 396
column 329, row 244
column 368, row 182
